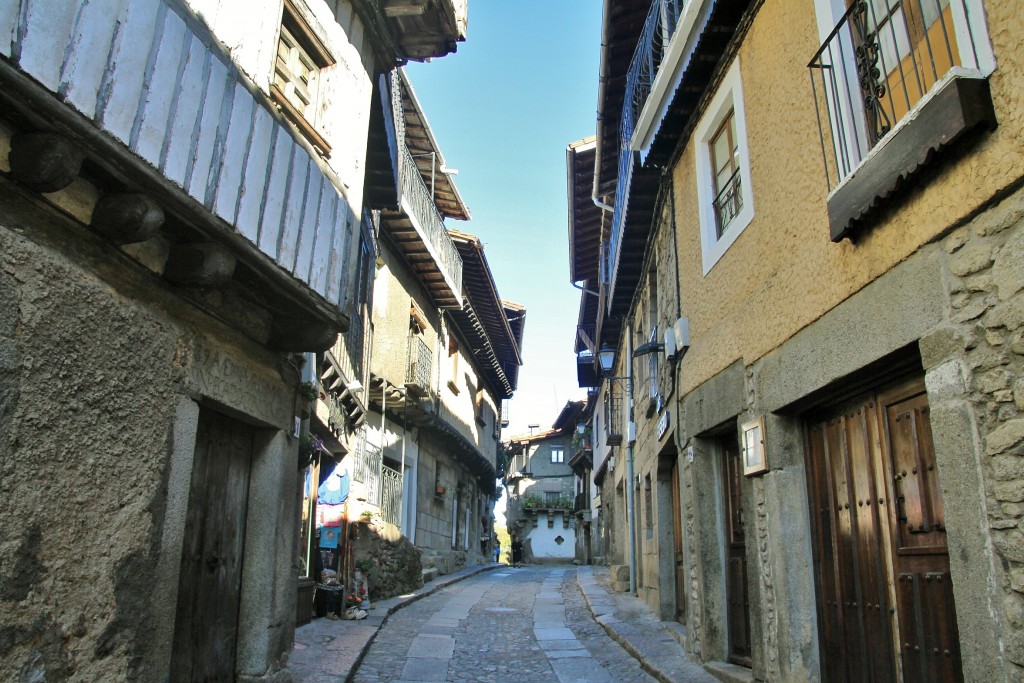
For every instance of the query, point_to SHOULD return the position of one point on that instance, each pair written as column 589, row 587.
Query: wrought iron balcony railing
column 878, row 62
column 659, row 27
column 419, row 366
column 421, row 205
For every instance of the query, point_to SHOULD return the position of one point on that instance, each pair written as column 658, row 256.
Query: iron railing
column 875, row 66
column 391, row 483
column 420, row 364
column 367, row 469
column 659, row 27
column 728, row 203
column 421, row 204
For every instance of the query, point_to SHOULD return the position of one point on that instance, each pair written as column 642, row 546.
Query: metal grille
column 728, row 203
column 877, row 63
column 391, row 496
column 613, row 416
column 420, row 363
column 368, row 463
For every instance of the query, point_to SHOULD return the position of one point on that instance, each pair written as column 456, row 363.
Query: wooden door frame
column 732, row 438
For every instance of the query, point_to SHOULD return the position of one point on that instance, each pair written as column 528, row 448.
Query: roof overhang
column 484, row 317
column 430, row 161
column 586, row 219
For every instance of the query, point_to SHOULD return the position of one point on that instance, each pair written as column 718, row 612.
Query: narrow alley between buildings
column 534, row 623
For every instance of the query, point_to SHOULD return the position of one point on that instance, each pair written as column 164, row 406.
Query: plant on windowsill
column 531, row 503
column 306, row 394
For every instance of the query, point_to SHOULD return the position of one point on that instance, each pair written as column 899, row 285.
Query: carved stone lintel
column 127, row 217
column 44, row 162
column 286, row 335
column 200, row 264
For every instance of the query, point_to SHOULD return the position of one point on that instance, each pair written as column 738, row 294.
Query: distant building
column 541, row 488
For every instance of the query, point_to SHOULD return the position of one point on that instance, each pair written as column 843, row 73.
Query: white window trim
column 728, row 98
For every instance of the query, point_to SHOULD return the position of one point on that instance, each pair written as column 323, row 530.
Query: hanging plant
column 309, row 391
column 309, row 449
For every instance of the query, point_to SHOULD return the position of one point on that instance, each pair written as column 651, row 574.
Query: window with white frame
column 724, row 193
column 557, row 455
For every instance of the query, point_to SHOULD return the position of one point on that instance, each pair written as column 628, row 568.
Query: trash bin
column 329, row 599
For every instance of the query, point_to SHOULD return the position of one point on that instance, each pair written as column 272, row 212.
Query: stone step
column 429, row 574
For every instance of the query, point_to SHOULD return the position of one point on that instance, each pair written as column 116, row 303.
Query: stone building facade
column 541, row 488
column 174, row 234
column 842, row 410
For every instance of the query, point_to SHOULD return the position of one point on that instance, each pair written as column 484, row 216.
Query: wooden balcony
column 418, row 231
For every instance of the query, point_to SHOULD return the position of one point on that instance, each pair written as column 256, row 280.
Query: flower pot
column 440, row 491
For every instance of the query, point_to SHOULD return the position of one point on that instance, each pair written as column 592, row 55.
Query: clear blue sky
column 503, row 109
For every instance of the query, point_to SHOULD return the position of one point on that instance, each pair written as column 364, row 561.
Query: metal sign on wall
column 663, row 424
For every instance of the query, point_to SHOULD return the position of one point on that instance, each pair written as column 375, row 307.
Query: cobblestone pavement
column 528, row 624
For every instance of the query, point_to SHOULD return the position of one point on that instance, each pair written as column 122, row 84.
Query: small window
column 725, row 167
column 296, row 86
column 725, row 199
column 558, row 455
column 453, row 355
column 478, row 406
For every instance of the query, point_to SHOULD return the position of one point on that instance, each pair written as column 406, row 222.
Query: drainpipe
column 602, row 84
column 630, row 440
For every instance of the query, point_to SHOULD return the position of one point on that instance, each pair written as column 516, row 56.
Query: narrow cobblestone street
column 526, row 624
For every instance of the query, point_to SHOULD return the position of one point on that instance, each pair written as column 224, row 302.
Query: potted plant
column 306, row 394
column 531, row 502
column 440, row 490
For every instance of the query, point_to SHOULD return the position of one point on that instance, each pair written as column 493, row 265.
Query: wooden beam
column 404, row 8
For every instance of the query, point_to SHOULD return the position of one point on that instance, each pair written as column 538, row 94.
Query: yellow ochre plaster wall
column 783, row 272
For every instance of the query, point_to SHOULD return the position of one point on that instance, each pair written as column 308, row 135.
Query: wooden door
column 929, row 639
column 209, row 586
column 677, row 545
column 853, row 573
column 737, row 598
column 853, row 453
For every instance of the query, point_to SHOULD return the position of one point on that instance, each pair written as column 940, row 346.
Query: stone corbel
column 306, row 337
column 44, row 162
column 200, row 264
column 127, row 217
